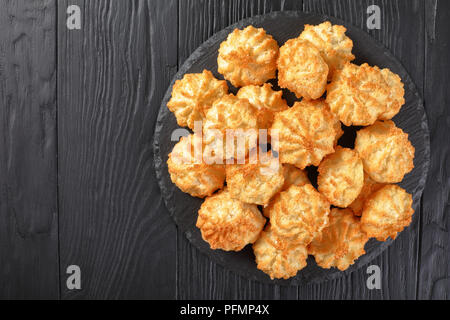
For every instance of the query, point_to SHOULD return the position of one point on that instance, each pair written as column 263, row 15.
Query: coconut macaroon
column 367, row 190
column 386, row 152
column 341, row 177
column 396, row 94
column 387, row 212
column 227, row 223
column 358, row 95
column 193, row 95
column 277, row 257
column 321, row 103
column 333, row 44
column 306, row 134
column 190, row 173
column 235, row 117
column 299, row 214
column 248, row 57
column 341, row 242
column 266, row 100
column 293, row 176
column 255, row 183
column 301, row 69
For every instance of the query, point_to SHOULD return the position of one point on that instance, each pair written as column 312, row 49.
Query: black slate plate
column 283, row 26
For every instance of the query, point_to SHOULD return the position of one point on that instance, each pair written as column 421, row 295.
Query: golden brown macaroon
column 341, row 242
column 233, row 116
column 266, row 100
column 293, row 176
column 278, row 258
column 396, row 94
column 386, row 152
column 227, row 223
column 321, row 103
column 333, row 44
column 358, row 95
column 301, row 69
column 255, row 183
column 367, row 190
column 190, row 173
column 341, row 177
column 193, row 95
column 248, row 57
column 306, row 134
column 387, row 212
column 299, row 214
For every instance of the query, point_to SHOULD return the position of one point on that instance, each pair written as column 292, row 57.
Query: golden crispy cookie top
column 256, row 182
column 266, row 100
column 299, row 214
column 358, row 95
column 341, row 177
column 386, row 152
column 190, row 173
column 227, row 223
column 248, row 57
column 277, row 257
column 334, row 46
column 387, row 212
column 341, row 242
column 193, row 95
column 301, row 69
column 306, row 134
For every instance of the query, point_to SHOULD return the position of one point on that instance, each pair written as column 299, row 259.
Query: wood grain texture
column 434, row 277
column 28, row 206
column 112, row 75
column 402, row 32
column 197, row 276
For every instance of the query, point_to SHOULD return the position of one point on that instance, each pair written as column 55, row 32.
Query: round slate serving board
column 283, row 26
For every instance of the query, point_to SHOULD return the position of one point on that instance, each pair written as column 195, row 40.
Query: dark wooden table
column 77, row 184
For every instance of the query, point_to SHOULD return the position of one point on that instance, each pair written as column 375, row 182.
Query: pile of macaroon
column 270, row 202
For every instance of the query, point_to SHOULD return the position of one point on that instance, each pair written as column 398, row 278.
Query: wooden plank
column 112, row 76
column 28, row 205
column 434, row 277
column 198, row 277
column 402, row 32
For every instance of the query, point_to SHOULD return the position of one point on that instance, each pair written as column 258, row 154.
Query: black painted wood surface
column 111, row 78
column 77, row 185
column 28, row 168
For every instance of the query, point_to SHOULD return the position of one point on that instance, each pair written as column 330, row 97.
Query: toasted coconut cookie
column 299, row 214
column 386, row 152
column 306, row 134
column 387, row 212
column 233, row 117
column 255, row 183
column 301, row 69
column 336, row 122
column 358, row 95
column 265, row 100
column 396, row 94
column 341, row 242
column 227, row 223
column 341, row 177
column 193, row 95
column 293, row 176
column 248, row 57
column 367, row 190
column 190, row 173
column 277, row 257
column 333, row 44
